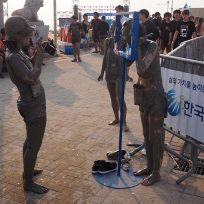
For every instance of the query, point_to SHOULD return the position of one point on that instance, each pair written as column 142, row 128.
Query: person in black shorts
column 103, row 33
column 95, row 26
column 85, row 26
column 165, row 29
column 76, row 29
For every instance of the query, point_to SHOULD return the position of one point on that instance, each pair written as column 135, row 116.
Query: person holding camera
column 24, row 73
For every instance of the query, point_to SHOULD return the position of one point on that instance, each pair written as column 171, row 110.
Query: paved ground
column 76, row 135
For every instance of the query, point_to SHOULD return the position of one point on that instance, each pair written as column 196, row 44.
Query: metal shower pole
column 55, row 21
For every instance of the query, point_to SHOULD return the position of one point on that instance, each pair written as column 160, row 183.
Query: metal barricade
column 193, row 67
column 187, row 58
column 191, row 49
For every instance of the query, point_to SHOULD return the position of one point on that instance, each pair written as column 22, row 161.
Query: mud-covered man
column 151, row 98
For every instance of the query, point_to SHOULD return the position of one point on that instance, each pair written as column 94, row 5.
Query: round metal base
column 125, row 180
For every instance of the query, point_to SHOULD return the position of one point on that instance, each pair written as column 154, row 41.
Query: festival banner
column 185, row 95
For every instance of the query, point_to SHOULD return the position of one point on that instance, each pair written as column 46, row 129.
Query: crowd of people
column 169, row 32
column 156, row 35
column 80, row 33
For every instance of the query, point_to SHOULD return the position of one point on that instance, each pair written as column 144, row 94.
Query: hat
column 17, row 27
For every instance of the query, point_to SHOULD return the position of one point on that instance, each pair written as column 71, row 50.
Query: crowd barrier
column 183, row 79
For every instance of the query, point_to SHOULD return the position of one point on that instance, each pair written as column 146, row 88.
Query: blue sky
column 46, row 13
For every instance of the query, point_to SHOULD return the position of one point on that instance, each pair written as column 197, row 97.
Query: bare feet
column 125, row 128
column 152, row 179
column 35, row 188
column 74, row 60
column 114, row 122
column 143, row 172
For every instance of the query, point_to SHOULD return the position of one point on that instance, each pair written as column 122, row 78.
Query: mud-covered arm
column 103, row 65
column 144, row 62
column 23, row 71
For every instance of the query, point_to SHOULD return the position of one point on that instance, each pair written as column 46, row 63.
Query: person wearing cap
column 24, row 73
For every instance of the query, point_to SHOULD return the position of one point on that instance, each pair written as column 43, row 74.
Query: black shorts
column 30, row 112
column 96, row 37
column 76, row 40
column 164, row 45
column 154, row 103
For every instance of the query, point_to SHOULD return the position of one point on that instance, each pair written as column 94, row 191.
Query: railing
column 191, row 49
column 188, row 59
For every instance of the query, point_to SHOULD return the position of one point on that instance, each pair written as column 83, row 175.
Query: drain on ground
column 185, row 166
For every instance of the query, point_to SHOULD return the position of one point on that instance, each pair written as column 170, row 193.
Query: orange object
column 62, row 34
column 69, row 38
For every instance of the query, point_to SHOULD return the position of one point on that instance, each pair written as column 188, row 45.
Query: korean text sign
column 185, row 95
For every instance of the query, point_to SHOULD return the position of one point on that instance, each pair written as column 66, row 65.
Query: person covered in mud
column 24, row 73
column 112, row 66
column 151, row 98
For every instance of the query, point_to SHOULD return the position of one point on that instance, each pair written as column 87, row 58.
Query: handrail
column 182, row 59
column 184, row 44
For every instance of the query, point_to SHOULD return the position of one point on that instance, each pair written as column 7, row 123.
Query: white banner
column 185, row 93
